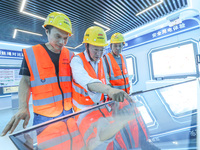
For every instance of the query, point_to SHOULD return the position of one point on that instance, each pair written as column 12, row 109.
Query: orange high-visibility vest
column 87, row 123
column 80, row 95
column 51, row 94
column 87, row 126
column 120, row 141
column 61, row 135
column 118, row 79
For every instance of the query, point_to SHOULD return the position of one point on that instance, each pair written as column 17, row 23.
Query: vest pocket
column 43, row 96
column 47, row 71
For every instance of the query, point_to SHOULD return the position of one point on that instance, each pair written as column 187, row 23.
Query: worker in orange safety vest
column 116, row 64
column 61, row 135
column 47, row 75
column 88, row 71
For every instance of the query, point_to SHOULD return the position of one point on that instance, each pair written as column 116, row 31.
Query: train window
column 131, row 66
column 174, row 61
column 181, row 99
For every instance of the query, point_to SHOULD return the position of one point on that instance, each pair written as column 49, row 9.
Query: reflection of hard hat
column 95, row 36
column 117, row 38
column 60, row 21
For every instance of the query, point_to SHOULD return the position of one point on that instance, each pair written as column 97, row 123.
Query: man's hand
column 118, row 95
column 114, row 94
column 22, row 114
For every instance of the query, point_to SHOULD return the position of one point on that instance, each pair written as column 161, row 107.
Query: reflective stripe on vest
column 44, row 81
column 50, row 100
column 46, row 101
column 117, row 79
column 104, row 68
column 121, row 87
column 53, row 136
column 46, row 93
column 31, row 58
column 119, row 142
column 80, row 90
column 127, row 127
column 59, row 139
column 80, row 106
column 116, row 145
column 67, row 95
column 54, row 141
column 65, row 79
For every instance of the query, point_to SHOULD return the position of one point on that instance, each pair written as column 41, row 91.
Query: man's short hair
column 49, row 27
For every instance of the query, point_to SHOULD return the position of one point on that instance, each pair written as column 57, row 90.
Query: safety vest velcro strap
column 67, row 95
column 122, row 87
column 79, row 90
column 65, row 78
column 39, row 82
column 48, row 100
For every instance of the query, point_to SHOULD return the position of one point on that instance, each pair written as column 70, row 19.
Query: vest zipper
column 60, row 89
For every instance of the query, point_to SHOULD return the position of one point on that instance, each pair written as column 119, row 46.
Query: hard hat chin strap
column 89, row 52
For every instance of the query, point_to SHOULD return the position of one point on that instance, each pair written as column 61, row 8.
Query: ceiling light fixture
column 102, row 26
column 161, row 1
column 15, row 33
column 73, row 47
column 22, row 11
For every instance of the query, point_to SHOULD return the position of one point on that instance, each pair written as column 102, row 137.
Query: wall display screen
column 145, row 115
column 181, row 99
column 129, row 62
column 131, row 66
column 9, row 77
column 175, row 61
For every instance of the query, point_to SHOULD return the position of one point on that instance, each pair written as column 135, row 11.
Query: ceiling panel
column 118, row 15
